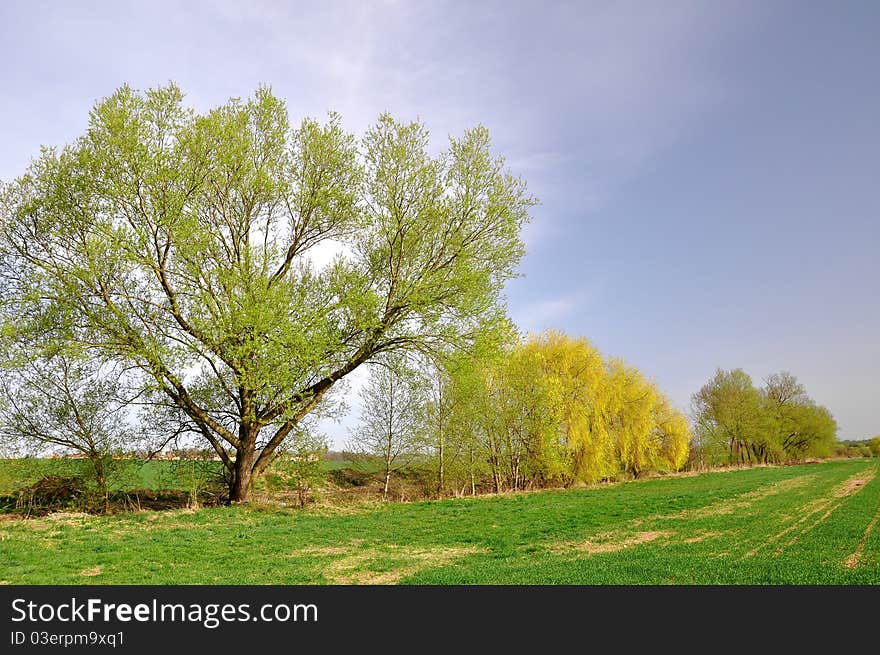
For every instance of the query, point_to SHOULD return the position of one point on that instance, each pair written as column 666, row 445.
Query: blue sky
column 709, row 171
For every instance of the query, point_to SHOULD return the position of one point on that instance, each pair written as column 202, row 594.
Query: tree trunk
column 101, row 478
column 389, row 445
column 241, row 479
column 496, row 477
column 243, row 467
column 242, row 473
column 494, row 463
column 440, row 471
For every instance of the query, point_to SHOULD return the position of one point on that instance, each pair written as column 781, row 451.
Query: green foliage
column 554, row 411
column 729, row 416
column 184, row 244
column 736, row 422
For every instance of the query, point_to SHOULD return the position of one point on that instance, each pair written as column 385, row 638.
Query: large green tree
column 184, row 243
column 801, row 426
column 729, row 416
column 776, row 423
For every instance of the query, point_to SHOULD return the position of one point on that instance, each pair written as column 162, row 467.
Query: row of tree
column 736, row 422
column 551, row 410
column 848, row 448
column 547, row 411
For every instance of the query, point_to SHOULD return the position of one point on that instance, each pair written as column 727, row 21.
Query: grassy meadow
column 809, row 524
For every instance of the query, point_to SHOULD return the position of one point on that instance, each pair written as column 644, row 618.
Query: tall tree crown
column 187, row 243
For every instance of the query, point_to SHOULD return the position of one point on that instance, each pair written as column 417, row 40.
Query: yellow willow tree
column 552, row 410
column 674, row 433
column 636, row 442
column 648, row 432
column 564, row 413
column 575, row 374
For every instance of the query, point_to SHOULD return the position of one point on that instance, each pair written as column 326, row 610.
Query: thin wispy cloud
column 557, row 312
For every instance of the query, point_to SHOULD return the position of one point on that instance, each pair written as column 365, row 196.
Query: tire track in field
column 610, row 542
column 353, row 563
column 614, row 541
column 742, row 501
column 855, row 559
column 815, row 513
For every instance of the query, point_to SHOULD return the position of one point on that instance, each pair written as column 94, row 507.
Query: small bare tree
column 68, row 404
column 393, row 418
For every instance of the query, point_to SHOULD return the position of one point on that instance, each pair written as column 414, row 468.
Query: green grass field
column 790, row 525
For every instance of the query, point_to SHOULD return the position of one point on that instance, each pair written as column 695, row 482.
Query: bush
column 51, row 493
